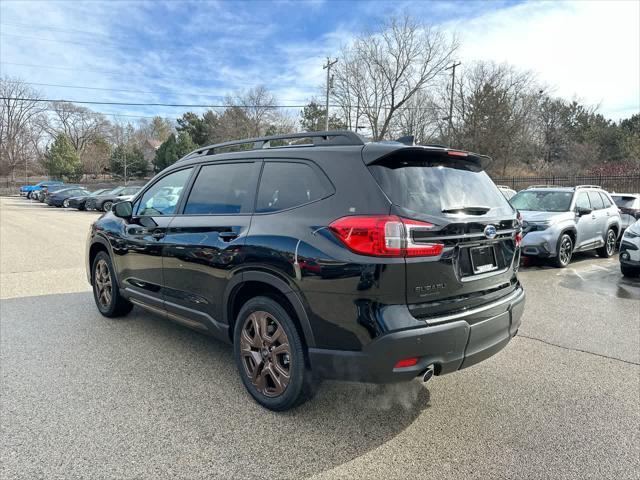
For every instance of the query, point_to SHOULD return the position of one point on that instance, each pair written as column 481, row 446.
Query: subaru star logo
column 490, row 231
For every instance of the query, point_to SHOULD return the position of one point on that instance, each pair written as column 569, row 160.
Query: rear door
column 203, row 245
column 585, row 225
column 598, row 216
column 469, row 215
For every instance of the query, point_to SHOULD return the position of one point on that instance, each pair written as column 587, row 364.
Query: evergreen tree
column 172, row 150
column 62, row 160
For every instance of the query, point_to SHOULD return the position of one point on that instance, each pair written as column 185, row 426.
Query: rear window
column 625, row 202
column 430, row 186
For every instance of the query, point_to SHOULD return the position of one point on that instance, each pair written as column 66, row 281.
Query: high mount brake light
column 383, row 236
column 457, row 153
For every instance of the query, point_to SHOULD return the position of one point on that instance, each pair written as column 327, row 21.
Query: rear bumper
column 459, row 343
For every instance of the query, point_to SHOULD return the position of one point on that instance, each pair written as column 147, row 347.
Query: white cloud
column 588, row 50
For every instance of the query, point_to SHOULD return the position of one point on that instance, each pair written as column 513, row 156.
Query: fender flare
column 282, row 286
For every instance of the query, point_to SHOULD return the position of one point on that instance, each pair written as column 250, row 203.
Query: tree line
column 389, row 82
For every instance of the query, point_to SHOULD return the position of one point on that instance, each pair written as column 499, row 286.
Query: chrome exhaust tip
column 428, row 374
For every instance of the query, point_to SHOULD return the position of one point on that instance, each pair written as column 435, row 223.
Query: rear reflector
column 407, row 362
column 383, row 236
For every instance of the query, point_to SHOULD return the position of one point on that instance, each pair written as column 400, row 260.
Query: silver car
column 558, row 221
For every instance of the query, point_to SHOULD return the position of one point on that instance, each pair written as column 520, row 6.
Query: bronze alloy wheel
column 102, row 279
column 266, row 354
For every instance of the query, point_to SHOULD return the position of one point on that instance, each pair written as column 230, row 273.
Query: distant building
column 149, row 151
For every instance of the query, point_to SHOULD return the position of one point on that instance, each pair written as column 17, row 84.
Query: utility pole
column 327, row 67
column 453, row 80
column 125, row 169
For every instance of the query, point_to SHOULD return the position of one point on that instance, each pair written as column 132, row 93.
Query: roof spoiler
column 378, row 154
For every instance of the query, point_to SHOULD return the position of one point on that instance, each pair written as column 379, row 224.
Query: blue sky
column 198, row 52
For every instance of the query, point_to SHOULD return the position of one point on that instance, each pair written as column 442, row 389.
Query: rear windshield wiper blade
column 472, row 209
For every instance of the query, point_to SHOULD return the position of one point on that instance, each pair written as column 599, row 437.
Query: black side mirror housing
column 123, row 209
column 583, row 211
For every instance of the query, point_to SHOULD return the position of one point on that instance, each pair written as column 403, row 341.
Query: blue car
column 28, row 190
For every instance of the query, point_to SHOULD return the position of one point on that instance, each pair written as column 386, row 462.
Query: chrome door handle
column 158, row 234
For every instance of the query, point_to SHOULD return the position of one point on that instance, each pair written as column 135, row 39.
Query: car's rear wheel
column 105, row 288
column 270, row 356
column 564, row 251
column 106, row 206
column 629, row 271
column 609, row 247
column 65, row 203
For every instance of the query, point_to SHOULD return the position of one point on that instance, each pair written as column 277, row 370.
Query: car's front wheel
column 65, row 203
column 270, row 356
column 609, row 247
column 106, row 206
column 105, row 288
column 564, row 251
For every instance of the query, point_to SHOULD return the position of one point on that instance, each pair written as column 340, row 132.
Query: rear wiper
column 472, row 209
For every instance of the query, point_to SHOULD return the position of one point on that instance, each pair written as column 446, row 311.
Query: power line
column 131, row 104
column 60, row 40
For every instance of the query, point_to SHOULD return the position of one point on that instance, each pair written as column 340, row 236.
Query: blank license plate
column 483, row 259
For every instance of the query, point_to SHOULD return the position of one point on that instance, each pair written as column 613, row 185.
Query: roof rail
column 586, row 186
column 545, row 186
column 328, row 138
column 504, row 186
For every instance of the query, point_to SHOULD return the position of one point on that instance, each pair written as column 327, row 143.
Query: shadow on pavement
column 141, row 396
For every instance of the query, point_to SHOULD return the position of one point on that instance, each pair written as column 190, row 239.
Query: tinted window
column 596, row 201
column 130, row 190
column 286, row 185
column 156, row 201
column 225, row 188
column 430, row 186
column 625, row 202
column 583, row 201
column 605, row 200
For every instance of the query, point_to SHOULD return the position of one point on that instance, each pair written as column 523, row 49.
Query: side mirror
column 583, row 211
column 123, row 209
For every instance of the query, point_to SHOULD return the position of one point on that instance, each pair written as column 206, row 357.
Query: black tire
column 81, row 207
column 629, row 271
column 564, row 251
column 115, row 305
column 106, row 206
column 609, row 247
column 300, row 386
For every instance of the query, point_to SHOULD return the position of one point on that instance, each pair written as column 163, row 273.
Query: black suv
column 320, row 256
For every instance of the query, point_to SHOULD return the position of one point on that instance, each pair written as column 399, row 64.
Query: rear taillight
column 383, row 236
column 518, row 239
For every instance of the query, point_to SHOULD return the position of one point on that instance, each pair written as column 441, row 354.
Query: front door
column 584, row 224
column 599, row 217
column 139, row 251
column 205, row 244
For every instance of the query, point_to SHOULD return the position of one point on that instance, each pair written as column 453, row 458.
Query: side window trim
column 142, row 192
column 331, row 189
column 189, row 187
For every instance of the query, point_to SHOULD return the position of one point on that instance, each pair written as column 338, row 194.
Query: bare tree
column 19, row 108
column 382, row 70
column 81, row 125
column 259, row 107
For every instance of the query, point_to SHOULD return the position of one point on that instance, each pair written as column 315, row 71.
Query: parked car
column 508, row 192
column 105, row 201
column 629, row 206
column 559, row 221
column 337, row 259
column 60, row 198
column 630, row 251
column 80, row 201
column 41, row 194
column 30, row 191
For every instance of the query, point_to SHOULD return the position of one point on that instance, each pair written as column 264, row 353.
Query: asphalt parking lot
column 139, row 397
